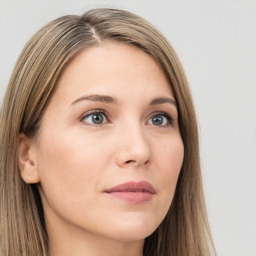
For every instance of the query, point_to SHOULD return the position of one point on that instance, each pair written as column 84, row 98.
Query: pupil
column 157, row 120
column 97, row 118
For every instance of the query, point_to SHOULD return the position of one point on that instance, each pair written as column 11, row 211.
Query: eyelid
column 169, row 118
column 95, row 111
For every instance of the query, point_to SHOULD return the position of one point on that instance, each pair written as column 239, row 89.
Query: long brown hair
column 185, row 230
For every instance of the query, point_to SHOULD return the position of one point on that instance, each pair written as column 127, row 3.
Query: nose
column 133, row 149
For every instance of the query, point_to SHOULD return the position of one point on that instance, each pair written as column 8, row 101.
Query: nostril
column 147, row 162
column 130, row 161
column 137, row 163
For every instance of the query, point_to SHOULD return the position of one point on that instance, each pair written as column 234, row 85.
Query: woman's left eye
column 96, row 118
column 161, row 119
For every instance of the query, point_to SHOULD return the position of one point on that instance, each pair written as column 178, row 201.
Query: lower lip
column 134, row 197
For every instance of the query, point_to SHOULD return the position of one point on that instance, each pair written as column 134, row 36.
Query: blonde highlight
column 185, row 229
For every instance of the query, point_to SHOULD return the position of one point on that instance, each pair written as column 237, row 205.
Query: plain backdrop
column 216, row 42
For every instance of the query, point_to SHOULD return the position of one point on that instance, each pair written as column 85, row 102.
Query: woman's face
column 108, row 152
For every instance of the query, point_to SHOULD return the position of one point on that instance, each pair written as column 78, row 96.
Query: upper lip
column 133, row 186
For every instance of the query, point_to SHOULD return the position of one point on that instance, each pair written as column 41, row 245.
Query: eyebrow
column 109, row 99
column 96, row 97
column 163, row 100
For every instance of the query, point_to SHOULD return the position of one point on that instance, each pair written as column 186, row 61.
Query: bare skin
column 111, row 120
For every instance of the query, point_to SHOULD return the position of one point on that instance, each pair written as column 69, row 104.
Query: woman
column 99, row 144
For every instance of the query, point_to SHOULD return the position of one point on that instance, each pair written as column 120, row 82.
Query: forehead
column 113, row 68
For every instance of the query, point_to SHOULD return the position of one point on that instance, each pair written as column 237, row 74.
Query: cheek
column 169, row 163
column 170, row 156
column 69, row 164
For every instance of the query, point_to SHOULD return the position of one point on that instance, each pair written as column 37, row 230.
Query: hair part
column 185, row 230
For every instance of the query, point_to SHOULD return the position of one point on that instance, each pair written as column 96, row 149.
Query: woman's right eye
column 95, row 118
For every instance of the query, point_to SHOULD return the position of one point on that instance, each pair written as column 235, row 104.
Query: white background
column 216, row 42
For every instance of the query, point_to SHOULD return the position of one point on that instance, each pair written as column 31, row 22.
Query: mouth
column 136, row 192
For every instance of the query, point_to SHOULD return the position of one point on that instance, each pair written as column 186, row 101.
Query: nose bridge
column 134, row 147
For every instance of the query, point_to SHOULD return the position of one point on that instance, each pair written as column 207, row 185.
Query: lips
column 136, row 192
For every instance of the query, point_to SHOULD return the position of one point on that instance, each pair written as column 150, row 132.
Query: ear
column 27, row 160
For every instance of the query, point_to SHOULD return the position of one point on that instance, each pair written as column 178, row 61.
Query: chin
column 134, row 229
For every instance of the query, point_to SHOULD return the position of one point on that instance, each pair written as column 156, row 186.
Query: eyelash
column 170, row 120
column 96, row 111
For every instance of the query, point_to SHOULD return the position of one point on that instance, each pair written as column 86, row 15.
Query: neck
column 76, row 242
column 91, row 245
